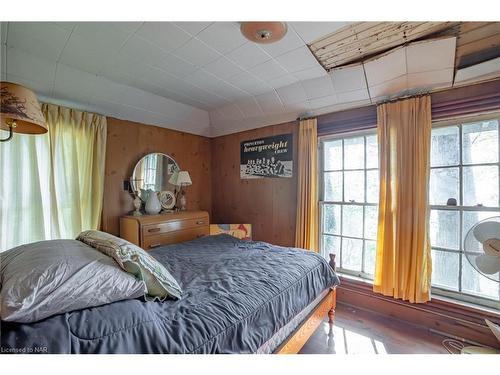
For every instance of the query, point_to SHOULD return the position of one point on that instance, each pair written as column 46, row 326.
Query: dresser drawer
column 155, row 240
column 174, row 225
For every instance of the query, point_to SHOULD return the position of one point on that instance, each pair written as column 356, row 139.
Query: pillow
column 159, row 282
column 52, row 277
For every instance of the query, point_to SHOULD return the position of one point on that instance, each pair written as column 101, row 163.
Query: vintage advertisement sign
column 267, row 157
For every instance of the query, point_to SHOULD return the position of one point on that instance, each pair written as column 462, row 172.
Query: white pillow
column 52, row 277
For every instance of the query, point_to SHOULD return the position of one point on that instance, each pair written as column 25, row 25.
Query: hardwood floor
column 363, row 332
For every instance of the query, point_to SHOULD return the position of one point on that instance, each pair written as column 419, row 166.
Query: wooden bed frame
column 304, row 331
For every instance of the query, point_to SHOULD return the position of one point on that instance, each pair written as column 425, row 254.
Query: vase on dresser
column 153, row 205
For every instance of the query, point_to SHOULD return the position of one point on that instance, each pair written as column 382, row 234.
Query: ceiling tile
column 318, row 87
column 431, row 55
column 348, row 78
column 310, row 31
column 487, row 69
column 431, row 79
column 249, row 83
column 193, row 28
column 106, row 90
column 176, row 66
column 298, row 59
column 140, row 50
column 222, row 36
column 291, row 94
column 270, row 103
column 103, row 34
column 268, row 70
column 197, row 53
column 165, row 35
column 315, row 72
column 248, row 55
column 298, row 108
column 230, row 111
column 31, row 68
column 283, row 80
column 41, row 39
column 390, row 87
column 353, row 96
column 386, row 68
column 223, row 68
column 324, row 101
column 249, row 107
column 289, row 42
column 66, row 25
column 73, row 84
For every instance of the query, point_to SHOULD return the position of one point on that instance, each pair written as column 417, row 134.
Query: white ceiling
column 205, row 77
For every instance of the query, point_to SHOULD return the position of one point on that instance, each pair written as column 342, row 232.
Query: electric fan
column 482, row 250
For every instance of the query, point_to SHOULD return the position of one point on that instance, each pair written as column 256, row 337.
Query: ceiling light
column 263, row 32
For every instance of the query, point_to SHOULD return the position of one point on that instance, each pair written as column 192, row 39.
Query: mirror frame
column 133, row 186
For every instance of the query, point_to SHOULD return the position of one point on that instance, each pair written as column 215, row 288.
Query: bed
column 239, row 297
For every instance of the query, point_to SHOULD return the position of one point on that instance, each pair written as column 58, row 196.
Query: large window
column 464, row 189
column 349, row 202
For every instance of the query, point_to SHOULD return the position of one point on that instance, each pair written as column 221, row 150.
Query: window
column 464, row 189
column 349, row 202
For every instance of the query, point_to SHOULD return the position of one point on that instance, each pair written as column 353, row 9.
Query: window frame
column 322, row 202
column 460, row 294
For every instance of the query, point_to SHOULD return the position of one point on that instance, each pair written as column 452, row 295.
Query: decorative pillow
column 46, row 278
column 159, row 282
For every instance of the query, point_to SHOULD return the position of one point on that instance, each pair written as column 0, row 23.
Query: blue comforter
column 237, row 294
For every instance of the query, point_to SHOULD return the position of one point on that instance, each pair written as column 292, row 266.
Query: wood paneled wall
column 128, row 141
column 269, row 204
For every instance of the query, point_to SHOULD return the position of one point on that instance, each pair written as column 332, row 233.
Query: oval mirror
column 153, row 172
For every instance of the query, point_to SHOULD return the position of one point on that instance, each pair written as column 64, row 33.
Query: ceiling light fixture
column 263, row 32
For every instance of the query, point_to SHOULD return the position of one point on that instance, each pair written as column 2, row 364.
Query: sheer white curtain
column 51, row 185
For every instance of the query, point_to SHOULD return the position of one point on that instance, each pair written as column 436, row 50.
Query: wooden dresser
column 150, row 231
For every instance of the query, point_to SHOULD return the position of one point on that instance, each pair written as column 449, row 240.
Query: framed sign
column 267, row 157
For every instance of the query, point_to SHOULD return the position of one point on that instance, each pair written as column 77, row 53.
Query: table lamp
column 182, row 180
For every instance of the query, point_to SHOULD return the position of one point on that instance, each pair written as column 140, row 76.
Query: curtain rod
column 415, row 94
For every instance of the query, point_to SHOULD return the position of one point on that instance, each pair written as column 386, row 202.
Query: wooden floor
column 363, row 332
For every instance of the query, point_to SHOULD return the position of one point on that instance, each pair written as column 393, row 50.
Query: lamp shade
column 183, row 179
column 20, row 110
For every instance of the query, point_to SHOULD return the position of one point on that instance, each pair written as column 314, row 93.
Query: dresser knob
column 200, row 222
column 152, row 230
column 153, row 245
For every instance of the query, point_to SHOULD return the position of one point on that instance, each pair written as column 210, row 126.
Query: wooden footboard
column 298, row 338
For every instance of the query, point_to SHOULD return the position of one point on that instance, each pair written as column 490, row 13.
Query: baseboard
column 453, row 319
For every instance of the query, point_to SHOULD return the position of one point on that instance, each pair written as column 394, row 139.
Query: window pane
column 354, row 183
column 354, row 153
column 480, row 142
column 475, row 283
column 480, row 186
column 372, row 186
column 370, row 250
column 371, row 222
column 331, row 244
column 333, row 186
column 352, row 221
column 371, row 151
column 352, row 254
column 445, row 146
column 444, row 184
column 331, row 218
column 445, row 269
column 333, row 155
column 444, row 228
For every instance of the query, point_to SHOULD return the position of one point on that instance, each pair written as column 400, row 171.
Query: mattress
column 237, row 295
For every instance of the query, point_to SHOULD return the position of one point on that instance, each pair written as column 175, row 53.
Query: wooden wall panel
column 269, row 204
column 128, row 141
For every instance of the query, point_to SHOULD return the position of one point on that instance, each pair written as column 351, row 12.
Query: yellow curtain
column 77, row 156
column 403, row 263
column 306, row 232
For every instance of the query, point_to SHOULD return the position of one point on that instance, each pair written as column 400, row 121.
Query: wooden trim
column 299, row 337
column 451, row 318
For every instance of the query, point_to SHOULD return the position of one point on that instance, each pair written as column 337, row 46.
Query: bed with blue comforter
column 236, row 296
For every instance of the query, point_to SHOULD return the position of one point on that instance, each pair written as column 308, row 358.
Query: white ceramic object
column 137, row 206
column 153, row 205
column 167, row 199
